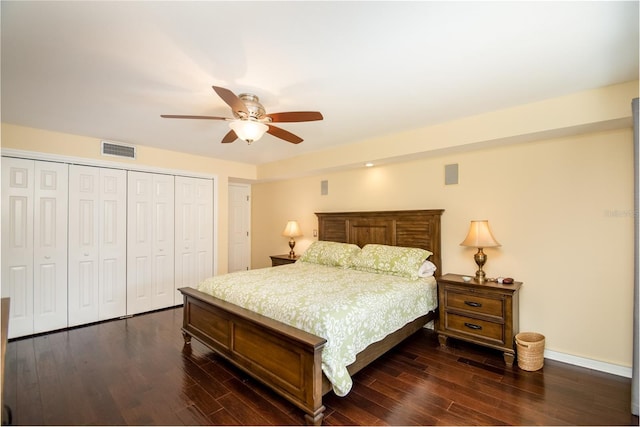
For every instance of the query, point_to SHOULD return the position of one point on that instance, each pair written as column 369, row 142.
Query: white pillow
column 427, row 269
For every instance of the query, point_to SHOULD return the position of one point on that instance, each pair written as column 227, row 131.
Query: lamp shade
column 248, row 130
column 292, row 229
column 480, row 236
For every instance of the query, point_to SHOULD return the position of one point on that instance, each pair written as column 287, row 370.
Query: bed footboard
column 284, row 358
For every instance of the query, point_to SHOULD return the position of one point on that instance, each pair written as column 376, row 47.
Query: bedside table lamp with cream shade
column 292, row 230
column 480, row 237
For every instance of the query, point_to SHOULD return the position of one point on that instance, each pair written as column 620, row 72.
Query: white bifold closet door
column 34, row 244
column 97, row 244
column 194, row 232
column 150, row 242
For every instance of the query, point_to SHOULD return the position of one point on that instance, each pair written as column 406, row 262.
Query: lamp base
column 292, row 244
column 481, row 277
column 480, row 259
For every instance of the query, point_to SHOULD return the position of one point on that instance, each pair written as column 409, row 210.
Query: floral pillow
column 395, row 260
column 330, row 253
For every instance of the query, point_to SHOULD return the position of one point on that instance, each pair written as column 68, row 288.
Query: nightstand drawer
column 474, row 303
column 475, row 327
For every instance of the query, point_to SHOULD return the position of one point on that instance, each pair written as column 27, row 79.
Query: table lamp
column 292, row 230
column 480, row 237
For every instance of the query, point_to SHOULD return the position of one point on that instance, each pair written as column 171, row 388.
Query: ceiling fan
column 250, row 120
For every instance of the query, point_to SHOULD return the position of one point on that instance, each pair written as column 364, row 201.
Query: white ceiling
column 109, row 69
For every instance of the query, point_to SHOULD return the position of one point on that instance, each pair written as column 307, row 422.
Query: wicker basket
column 530, row 347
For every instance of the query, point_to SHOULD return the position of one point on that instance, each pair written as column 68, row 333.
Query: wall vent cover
column 118, row 149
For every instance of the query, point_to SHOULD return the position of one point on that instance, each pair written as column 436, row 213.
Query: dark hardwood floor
column 137, row 371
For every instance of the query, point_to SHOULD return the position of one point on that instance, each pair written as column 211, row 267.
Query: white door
column 194, row 232
column 50, row 246
column 150, row 251
column 84, row 244
column 163, row 265
column 17, row 243
column 239, row 225
column 34, row 244
column 112, row 297
column 97, row 244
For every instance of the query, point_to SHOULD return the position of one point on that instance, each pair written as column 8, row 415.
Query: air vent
column 118, row 150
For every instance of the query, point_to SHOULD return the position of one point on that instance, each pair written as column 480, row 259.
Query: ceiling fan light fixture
column 249, row 119
column 248, row 130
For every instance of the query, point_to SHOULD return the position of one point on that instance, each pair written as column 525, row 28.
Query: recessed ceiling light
column 368, row 164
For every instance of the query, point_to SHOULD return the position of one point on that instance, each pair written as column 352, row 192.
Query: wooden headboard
column 414, row 228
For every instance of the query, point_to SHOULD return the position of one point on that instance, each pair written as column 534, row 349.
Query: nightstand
column 486, row 314
column 282, row 259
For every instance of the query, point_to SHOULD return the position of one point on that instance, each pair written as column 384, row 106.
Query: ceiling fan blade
column 283, row 134
column 229, row 137
column 231, row 99
column 296, row 116
column 174, row 116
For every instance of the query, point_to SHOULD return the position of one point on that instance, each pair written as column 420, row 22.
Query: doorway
column 239, row 227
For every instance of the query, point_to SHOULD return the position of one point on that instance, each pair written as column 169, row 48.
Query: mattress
column 351, row 309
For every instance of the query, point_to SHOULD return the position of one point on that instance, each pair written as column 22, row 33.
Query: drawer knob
column 473, row 326
column 473, row 303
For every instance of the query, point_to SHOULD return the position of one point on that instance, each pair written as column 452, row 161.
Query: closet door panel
column 112, row 298
column 164, row 279
column 163, row 248
column 84, row 247
column 34, row 244
column 194, row 232
column 17, row 284
column 204, row 221
column 139, row 243
column 97, row 244
column 17, row 243
column 50, row 246
column 85, row 303
column 150, row 246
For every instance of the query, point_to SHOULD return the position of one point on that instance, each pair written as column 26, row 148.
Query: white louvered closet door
column 97, row 244
column 194, row 232
column 34, row 244
column 150, row 251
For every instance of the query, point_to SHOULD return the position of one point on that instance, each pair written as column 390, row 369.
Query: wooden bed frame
column 287, row 359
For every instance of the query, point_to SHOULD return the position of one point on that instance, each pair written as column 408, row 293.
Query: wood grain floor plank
column 259, row 402
column 349, row 409
column 405, row 406
column 137, row 371
column 203, row 400
column 246, row 414
column 222, row 418
column 333, row 418
column 28, row 398
column 191, row 416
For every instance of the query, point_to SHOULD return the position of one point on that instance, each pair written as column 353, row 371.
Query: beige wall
column 554, row 179
column 560, row 208
column 61, row 144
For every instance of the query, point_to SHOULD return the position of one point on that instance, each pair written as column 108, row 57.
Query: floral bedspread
column 350, row 309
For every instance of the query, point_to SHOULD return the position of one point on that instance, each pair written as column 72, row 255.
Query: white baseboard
column 610, row 368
